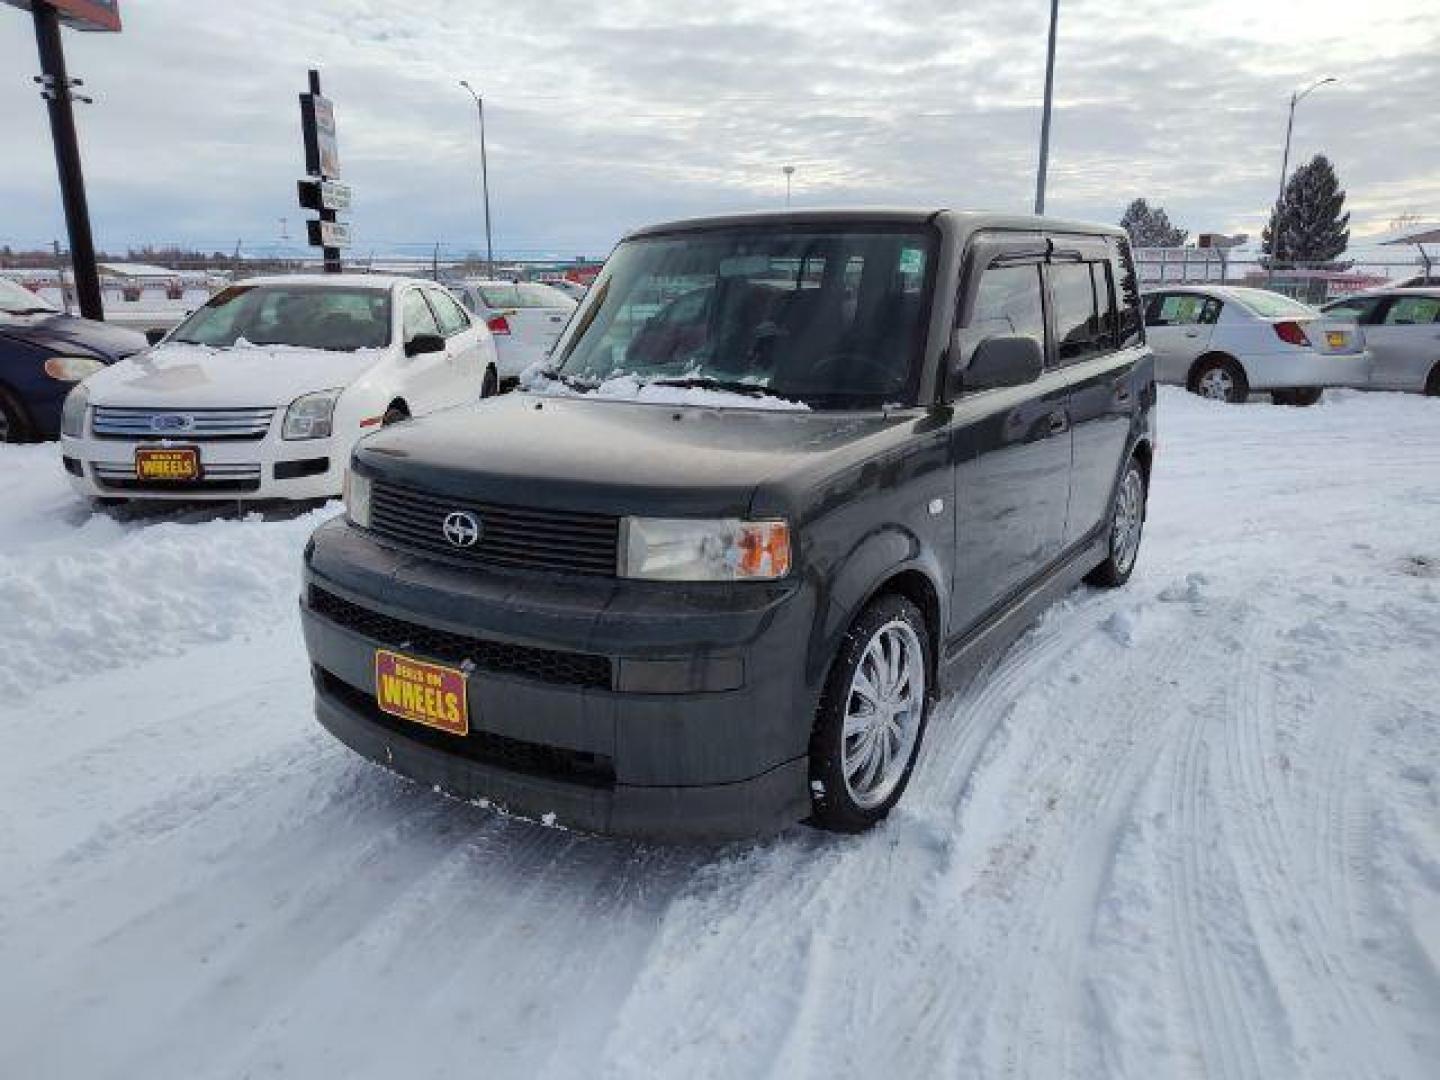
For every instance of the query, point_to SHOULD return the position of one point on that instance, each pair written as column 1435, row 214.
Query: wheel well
column 1205, row 358
column 17, row 406
column 1145, row 455
column 920, row 591
column 1432, row 382
column 399, row 406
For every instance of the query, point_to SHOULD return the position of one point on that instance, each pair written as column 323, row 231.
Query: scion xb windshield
column 339, row 318
column 833, row 319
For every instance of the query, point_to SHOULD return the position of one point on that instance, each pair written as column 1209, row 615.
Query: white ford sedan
column 263, row 392
column 1226, row 341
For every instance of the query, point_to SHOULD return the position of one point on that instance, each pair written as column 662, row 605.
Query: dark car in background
column 43, row 354
column 789, row 475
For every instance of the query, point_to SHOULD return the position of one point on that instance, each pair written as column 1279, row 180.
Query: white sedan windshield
column 338, row 318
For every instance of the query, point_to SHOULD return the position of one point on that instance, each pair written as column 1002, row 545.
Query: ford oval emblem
column 172, row 422
column 462, row 529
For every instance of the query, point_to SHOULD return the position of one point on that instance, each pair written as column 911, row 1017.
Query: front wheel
column 1221, row 379
column 1301, row 397
column 490, row 385
column 872, row 717
column 13, row 425
column 1127, row 523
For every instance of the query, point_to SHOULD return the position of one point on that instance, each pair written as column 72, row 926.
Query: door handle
column 1192, row 333
column 1058, row 423
column 1122, row 395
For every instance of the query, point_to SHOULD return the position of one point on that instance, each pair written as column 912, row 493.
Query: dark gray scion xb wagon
column 787, row 477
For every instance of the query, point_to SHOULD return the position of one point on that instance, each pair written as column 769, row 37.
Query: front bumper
column 618, row 707
column 267, row 468
column 1305, row 368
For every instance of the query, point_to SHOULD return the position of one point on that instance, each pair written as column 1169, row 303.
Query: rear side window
column 1084, row 310
column 1127, row 294
column 448, row 313
column 1413, row 310
column 1357, row 310
column 1182, row 309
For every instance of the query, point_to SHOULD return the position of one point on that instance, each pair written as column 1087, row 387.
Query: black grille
column 511, row 537
column 547, row 665
column 513, row 755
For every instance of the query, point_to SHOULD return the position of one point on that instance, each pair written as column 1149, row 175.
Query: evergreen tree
column 1313, row 223
column 1150, row 227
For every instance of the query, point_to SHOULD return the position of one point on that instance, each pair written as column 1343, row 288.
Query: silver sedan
column 1402, row 331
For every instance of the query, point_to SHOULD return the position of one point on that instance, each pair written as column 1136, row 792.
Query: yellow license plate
column 422, row 692
column 1337, row 339
column 170, row 463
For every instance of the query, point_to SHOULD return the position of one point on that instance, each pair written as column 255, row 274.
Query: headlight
column 72, row 368
column 72, row 414
column 684, row 549
column 309, row 417
column 357, row 498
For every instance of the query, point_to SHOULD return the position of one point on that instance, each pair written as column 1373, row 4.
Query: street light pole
column 1045, row 116
column 1295, row 98
column 789, row 171
column 484, row 180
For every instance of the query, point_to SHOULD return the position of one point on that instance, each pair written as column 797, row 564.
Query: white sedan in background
column 1402, row 332
column 1225, row 342
column 524, row 317
column 263, row 391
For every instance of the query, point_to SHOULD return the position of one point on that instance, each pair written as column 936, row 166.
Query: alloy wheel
column 1216, row 384
column 1129, row 521
column 883, row 713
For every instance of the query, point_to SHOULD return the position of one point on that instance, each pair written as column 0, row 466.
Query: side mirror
column 424, row 343
column 1003, row 360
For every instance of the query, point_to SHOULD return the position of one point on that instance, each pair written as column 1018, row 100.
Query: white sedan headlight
column 309, row 417
column 687, row 549
column 72, row 413
column 72, row 368
column 357, row 498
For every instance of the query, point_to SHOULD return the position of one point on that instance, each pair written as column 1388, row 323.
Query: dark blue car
column 43, row 353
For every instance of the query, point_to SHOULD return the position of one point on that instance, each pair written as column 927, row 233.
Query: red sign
column 80, row 14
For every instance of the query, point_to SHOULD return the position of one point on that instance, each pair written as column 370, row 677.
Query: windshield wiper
column 707, row 382
column 29, row 311
column 568, row 380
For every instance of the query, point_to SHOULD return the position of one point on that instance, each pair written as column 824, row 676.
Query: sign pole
column 67, row 159
column 331, row 254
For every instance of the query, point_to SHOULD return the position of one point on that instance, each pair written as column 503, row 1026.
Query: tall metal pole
column 1296, row 97
column 1280, row 198
column 1045, row 118
column 67, row 159
column 789, row 171
column 484, row 180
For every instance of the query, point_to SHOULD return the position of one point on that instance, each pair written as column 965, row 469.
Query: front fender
column 878, row 558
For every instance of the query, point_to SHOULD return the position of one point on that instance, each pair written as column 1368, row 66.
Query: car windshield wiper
column 568, row 380
column 707, row 382
column 29, row 311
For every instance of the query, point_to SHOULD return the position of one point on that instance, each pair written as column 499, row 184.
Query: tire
column 1432, row 384
column 490, row 385
column 14, row 422
column 848, row 793
column 1127, row 527
column 394, row 414
column 1302, row 397
column 1220, row 379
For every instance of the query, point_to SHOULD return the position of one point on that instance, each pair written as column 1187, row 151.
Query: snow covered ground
column 1189, row 828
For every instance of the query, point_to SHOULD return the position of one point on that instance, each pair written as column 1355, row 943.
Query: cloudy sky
column 604, row 115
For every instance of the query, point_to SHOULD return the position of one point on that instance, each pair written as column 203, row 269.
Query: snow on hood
column 244, row 375
column 537, row 380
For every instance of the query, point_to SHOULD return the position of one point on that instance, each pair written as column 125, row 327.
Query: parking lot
column 1187, row 827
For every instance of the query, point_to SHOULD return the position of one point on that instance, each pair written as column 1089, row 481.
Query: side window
column 1177, row 309
column 448, row 313
column 1081, row 330
column 1127, row 295
column 1413, row 310
column 1008, row 301
column 1356, row 311
column 416, row 317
